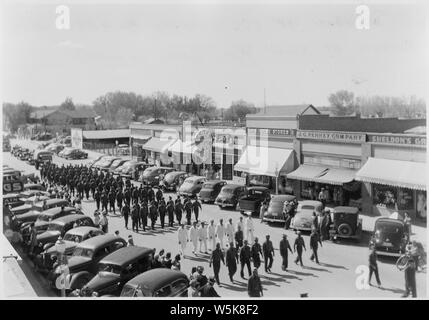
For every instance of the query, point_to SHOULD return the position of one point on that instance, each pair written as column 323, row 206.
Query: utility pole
column 265, row 104
column 154, row 110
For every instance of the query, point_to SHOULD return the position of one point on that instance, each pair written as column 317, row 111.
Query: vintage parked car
column 34, row 186
column 83, row 263
column 153, row 175
column 118, row 268
column 28, row 205
column 131, row 169
column 390, row 237
column 123, row 150
column 303, row 218
column 275, row 208
column 73, row 154
column 60, row 226
column 115, row 164
column 31, row 193
column 41, row 157
column 13, row 199
column 191, row 186
column 210, row 190
column 251, row 202
column 93, row 162
column 229, row 195
column 55, row 148
column 105, row 162
column 345, row 223
column 172, row 180
column 159, row 282
column 42, row 222
column 71, row 239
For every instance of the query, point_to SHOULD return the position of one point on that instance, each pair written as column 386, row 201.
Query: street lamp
column 60, row 247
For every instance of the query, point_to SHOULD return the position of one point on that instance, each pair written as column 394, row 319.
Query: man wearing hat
column 254, row 286
column 202, row 237
column 231, row 260
column 215, row 259
column 298, row 246
column 284, row 247
column 314, row 245
column 268, row 250
column 208, row 291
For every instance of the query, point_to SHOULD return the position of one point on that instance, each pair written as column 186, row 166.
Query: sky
column 297, row 53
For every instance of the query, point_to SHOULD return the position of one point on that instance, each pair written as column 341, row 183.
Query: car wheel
column 344, row 229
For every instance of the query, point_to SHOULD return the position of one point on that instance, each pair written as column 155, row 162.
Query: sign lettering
column 398, row 139
column 332, row 136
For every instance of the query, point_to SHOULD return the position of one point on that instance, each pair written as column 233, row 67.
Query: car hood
column 22, row 207
column 28, row 216
column 102, row 280
column 77, row 261
column 70, row 245
column 302, row 217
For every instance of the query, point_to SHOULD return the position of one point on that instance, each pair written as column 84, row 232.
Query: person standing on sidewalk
column 254, row 286
column 373, row 267
column 314, row 245
column 284, row 247
column 297, row 247
column 410, row 279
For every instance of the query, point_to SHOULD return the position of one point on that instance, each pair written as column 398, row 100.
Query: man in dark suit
column 268, row 250
column 314, row 245
column 245, row 255
column 284, row 247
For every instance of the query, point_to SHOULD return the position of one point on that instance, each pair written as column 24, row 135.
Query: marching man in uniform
column 249, row 229
column 202, row 235
column 211, row 233
column 220, row 232
column 229, row 230
column 183, row 238
column 193, row 235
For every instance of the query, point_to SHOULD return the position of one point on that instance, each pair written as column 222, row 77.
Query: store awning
column 336, row 176
column 140, row 136
column 158, row 145
column 265, row 161
column 403, row 174
column 182, row 147
column 307, row 172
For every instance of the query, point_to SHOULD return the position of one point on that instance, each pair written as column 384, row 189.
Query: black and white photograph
column 244, row 149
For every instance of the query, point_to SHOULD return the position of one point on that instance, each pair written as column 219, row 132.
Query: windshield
column 208, row 186
column 68, row 151
column 116, row 163
column 127, row 165
column 72, row 237
column 44, row 217
column 148, row 171
column 255, row 192
column 227, row 190
column 389, row 228
column 307, row 207
column 128, row 291
column 55, row 227
column 83, row 252
column 106, row 267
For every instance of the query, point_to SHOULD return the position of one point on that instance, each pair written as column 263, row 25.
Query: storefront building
column 209, row 151
column 394, row 175
column 269, row 155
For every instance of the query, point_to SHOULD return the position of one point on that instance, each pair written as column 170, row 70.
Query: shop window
column 405, row 199
column 385, row 196
column 421, row 204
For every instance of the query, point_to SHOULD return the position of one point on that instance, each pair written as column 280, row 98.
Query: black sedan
column 72, row 153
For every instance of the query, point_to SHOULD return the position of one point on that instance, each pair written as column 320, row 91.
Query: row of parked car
column 97, row 262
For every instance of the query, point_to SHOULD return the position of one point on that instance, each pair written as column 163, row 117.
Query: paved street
column 334, row 277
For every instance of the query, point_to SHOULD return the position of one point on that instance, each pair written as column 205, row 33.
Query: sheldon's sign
column 397, row 139
column 338, row 136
